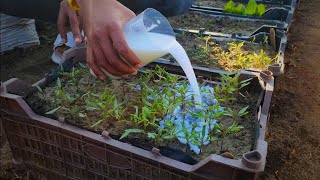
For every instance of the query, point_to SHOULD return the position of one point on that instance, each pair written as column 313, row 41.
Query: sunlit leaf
column 261, row 9
column 240, row 9
column 251, row 7
column 229, row 8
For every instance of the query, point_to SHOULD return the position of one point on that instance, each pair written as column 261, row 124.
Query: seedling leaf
column 251, row 7
column 229, row 8
column 243, row 112
column 240, row 9
column 236, row 129
column 152, row 135
column 39, row 89
column 82, row 65
column 90, row 108
column 59, row 83
column 168, row 137
column 129, row 131
column 261, row 9
column 53, row 110
column 97, row 123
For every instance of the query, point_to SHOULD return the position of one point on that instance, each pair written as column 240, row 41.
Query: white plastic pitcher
column 149, row 35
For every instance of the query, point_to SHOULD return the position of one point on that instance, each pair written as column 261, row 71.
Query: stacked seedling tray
column 276, row 14
column 289, row 4
column 213, row 51
column 58, row 149
column 224, row 24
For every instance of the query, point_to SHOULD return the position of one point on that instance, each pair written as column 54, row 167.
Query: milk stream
column 150, row 46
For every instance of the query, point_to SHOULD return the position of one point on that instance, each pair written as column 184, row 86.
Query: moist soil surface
column 293, row 130
column 195, row 21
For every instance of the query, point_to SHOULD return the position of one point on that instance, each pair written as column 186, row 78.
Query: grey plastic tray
column 276, row 15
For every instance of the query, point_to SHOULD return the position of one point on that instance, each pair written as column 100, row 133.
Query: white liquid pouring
column 150, row 46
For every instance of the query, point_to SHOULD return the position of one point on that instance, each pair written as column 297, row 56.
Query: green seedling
column 237, row 58
column 240, row 9
column 163, row 134
column 209, row 114
column 203, row 53
column 266, row 40
column 202, row 138
column 142, row 118
column 229, row 7
column 106, row 104
column 183, row 98
column 127, row 132
column 74, row 111
column 166, row 103
column 42, row 93
column 224, row 131
column 53, row 110
column 74, row 79
column 142, row 81
column 59, row 92
column 230, row 87
column 251, row 9
column 236, row 115
column 191, row 137
column 261, row 9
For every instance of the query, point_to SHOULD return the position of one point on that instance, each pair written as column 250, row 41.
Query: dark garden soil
column 293, row 131
column 195, row 21
column 222, row 3
column 294, row 127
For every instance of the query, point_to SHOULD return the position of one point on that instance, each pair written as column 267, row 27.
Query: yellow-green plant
column 236, row 58
column 251, row 9
column 204, row 52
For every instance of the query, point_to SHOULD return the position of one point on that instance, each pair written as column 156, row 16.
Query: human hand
column 107, row 48
column 65, row 13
